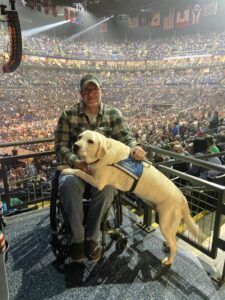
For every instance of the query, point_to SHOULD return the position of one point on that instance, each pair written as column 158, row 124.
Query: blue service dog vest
column 132, row 167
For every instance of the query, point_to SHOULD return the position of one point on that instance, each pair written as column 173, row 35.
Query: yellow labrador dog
column 153, row 187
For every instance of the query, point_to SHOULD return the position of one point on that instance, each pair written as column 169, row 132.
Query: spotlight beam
column 37, row 30
column 88, row 29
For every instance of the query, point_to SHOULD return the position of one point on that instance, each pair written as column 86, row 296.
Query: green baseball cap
column 89, row 78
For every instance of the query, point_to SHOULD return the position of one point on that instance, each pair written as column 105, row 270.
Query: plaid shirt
column 73, row 121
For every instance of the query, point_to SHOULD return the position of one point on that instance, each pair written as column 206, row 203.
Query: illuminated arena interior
column 162, row 63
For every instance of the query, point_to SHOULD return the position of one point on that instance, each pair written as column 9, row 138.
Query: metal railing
column 18, row 183
column 206, row 199
column 23, row 183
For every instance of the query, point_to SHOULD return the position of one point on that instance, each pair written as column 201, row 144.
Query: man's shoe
column 76, row 252
column 93, row 250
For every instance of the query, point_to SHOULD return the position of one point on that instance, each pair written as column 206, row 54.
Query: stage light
column 40, row 29
column 88, row 29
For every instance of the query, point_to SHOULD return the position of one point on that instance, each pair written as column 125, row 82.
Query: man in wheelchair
column 90, row 113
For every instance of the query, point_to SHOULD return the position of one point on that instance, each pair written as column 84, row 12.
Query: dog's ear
column 103, row 148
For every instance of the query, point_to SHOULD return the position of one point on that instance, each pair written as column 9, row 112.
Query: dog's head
column 92, row 146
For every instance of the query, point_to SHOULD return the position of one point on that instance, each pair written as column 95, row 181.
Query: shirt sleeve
column 63, row 143
column 121, row 130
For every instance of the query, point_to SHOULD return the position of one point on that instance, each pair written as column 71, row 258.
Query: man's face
column 91, row 95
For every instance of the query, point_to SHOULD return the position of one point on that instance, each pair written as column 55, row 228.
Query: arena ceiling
column 116, row 7
column 101, row 8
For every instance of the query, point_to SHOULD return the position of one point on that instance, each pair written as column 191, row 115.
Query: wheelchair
column 61, row 233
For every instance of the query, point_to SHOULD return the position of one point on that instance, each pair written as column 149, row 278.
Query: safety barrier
column 206, row 199
column 25, row 180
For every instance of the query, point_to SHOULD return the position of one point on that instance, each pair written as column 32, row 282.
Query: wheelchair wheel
column 53, row 203
column 59, row 246
column 61, row 235
column 117, row 209
column 53, row 222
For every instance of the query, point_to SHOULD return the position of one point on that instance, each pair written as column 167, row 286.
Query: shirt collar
column 81, row 108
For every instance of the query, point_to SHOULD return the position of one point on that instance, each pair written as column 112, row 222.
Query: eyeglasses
column 93, row 90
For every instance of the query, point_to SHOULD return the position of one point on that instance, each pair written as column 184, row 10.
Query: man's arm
column 63, row 141
column 121, row 130
column 63, row 145
column 124, row 134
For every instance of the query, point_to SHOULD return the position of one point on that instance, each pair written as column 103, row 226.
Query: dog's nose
column 75, row 148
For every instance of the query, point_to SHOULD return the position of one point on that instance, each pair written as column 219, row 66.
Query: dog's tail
column 191, row 225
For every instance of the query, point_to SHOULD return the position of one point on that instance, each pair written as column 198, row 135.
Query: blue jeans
column 71, row 190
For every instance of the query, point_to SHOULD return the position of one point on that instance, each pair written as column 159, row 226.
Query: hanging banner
column 143, row 21
column 54, row 11
column 155, row 19
column 46, row 6
column 66, row 13
column 133, row 22
column 72, row 15
column 39, row 5
column 182, row 18
column 168, row 21
column 196, row 12
column 210, row 8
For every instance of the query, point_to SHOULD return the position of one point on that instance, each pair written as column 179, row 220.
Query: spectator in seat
column 214, row 121
column 90, row 113
column 175, row 129
column 212, row 147
column 200, row 148
column 30, row 168
column 184, row 166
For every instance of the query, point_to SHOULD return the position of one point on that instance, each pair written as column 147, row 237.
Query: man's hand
column 83, row 166
column 138, row 153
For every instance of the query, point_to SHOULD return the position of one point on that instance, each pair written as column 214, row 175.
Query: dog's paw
column 68, row 171
column 166, row 262
column 62, row 167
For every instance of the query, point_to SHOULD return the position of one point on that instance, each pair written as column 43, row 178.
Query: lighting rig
column 15, row 38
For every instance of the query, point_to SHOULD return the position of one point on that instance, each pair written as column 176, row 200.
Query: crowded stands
column 151, row 98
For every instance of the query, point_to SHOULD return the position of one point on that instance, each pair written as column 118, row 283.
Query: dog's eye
column 79, row 137
column 90, row 142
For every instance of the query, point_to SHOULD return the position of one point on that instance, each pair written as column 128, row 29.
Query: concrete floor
column 130, row 275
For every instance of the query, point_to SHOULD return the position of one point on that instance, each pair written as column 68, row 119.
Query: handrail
column 24, row 156
column 188, row 158
column 149, row 148
column 19, row 143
